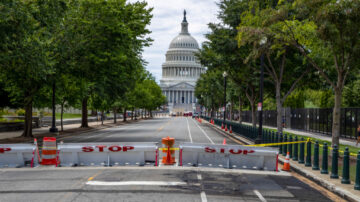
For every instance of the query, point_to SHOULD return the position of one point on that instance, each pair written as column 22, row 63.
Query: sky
column 165, row 25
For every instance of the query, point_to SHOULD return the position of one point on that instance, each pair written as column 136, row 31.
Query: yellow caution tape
column 273, row 144
column 171, row 149
column 340, row 151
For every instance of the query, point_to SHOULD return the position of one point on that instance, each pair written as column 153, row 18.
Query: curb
column 326, row 184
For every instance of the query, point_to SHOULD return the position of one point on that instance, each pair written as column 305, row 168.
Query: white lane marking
column 260, row 196
column 203, row 132
column 202, row 193
column 126, row 183
column 203, row 197
column 189, row 130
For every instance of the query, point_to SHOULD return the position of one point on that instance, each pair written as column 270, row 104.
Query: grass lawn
column 67, row 116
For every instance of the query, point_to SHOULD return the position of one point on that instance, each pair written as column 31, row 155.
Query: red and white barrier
column 107, row 154
column 18, row 155
column 228, row 156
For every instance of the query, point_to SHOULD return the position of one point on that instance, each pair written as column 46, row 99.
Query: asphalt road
column 153, row 130
column 152, row 184
column 149, row 183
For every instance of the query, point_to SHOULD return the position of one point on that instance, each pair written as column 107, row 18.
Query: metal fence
column 314, row 120
column 320, row 121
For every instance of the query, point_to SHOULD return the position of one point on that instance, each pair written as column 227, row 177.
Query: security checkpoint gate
column 228, row 156
column 107, row 154
column 18, row 155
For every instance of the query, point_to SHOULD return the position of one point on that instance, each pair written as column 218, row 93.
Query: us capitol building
column 180, row 72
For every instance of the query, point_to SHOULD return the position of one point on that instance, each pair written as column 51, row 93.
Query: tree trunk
column 240, row 110
column 279, row 109
column 253, row 114
column 132, row 114
column 124, row 115
column 142, row 114
column 102, row 117
column 150, row 113
column 115, row 110
column 231, row 110
column 28, row 120
column 84, row 116
column 336, row 117
column 62, row 115
column 135, row 113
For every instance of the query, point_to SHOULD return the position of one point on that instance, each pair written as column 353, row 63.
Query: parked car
column 195, row 114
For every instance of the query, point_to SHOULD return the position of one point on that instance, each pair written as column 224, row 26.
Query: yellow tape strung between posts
column 171, row 149
column 340, row 151
column 273, row 144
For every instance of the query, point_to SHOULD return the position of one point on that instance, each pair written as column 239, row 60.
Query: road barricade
column 228, row 156
column 18, row 155
column 107, row 153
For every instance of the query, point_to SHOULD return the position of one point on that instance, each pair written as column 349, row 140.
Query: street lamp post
column 53, row 128
column 258, row 140
column 224, row 75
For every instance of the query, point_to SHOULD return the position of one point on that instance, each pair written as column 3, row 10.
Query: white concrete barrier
column 18, row 155
column 228, row 156
column 107, row 153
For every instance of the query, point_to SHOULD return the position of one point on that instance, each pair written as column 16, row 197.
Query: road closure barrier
column 18, row 155
column 49, row 152
column 228, row 156
column 107, row 154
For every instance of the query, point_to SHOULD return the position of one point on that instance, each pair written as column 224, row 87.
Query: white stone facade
column 180, row 71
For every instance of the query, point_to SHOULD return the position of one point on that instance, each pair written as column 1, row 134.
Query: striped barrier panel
column 228, row 156
column 107, row 153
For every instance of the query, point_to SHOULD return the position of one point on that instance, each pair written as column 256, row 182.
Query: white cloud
column 165, row 25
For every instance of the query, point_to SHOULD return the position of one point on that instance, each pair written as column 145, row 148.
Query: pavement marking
column 144, row 183
column 203, row 197
column 96, row 174
column 203, row 132
column 189, row 130
column 260, row 196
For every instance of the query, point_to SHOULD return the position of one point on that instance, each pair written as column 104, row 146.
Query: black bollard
column 308, row 154
column 324, row 169
column 357, row 177
column 316, row 156
column 281, row 140
column 290, row 147
column 285, row 145
column 302, row 151
column 346, row 167
column 295, row 153
column 334, row 163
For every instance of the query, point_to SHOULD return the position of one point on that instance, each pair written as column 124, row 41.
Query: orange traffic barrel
column 169, row 143
column 49, row 151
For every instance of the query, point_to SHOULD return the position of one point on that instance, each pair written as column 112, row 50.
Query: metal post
column 53, row 128
column 260, row 108
column 346, row 168
column 284, row 145
column 295, row 154
column 334, row 163
column 290, row 147
column 357, row 176
column 224, row 96
column 308, row 154
column 316, row 156
column 281, row 140
column 302, row 152
column 324, row 169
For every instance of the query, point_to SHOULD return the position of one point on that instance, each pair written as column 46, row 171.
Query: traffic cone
column 226, row 127
column 230, row 129
column 224, row 141
column 286, row 166
column 222, row 126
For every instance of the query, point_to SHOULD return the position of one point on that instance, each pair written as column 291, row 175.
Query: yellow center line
column 96, row 174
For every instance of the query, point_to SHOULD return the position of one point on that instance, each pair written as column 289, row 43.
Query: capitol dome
column 181, row 70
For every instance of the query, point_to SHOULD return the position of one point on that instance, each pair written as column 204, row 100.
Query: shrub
column 20, row 112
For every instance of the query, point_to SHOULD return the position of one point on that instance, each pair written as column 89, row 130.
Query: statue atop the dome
column 184, row 20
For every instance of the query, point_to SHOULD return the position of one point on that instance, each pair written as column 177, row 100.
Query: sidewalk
column 68, row 129
column 346, row 191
